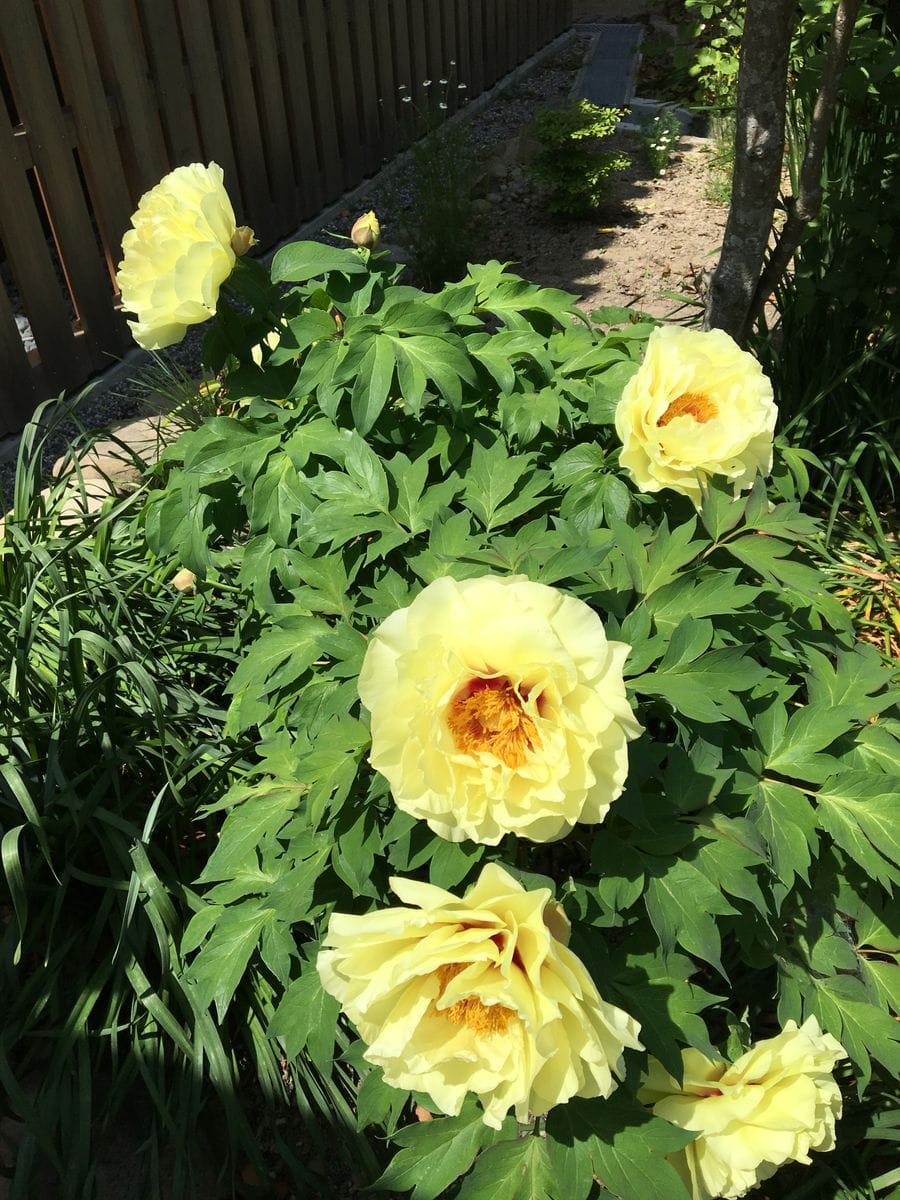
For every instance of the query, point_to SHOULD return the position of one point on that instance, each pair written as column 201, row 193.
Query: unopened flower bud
column 185, row 581
column 242, row 239
column 366, row 231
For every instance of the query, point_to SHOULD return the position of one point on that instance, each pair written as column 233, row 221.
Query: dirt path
column 651, row 236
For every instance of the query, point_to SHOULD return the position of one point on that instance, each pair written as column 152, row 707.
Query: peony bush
column 533, row 645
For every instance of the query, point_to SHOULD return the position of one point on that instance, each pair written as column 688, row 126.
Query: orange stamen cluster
column 482, row 1019
column 691, row 404
column 487, row 715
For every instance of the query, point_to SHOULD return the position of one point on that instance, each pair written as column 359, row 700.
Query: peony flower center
column 482, row 1019
column 487, row 715
column 691, row 404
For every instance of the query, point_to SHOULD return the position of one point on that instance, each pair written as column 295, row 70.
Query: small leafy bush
column 571, row 163
column 437, row 217
column 659, row 140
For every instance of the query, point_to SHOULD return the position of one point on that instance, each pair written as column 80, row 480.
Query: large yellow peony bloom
column 771, row 1106
column 180, row 251
column 479, row 994
column 498, row 706
column 699, row 406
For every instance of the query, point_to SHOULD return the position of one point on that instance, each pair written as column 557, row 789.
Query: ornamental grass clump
column 532, row 642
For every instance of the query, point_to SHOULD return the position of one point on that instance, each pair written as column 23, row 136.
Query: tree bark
column 759, row 153
column 808, row 201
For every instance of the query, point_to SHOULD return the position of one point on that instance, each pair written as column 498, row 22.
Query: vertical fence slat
column 326, row 120
column 418, row 50
column 209, row 95
column 35, row 93
column 386, row 73
column 345, row 93
column 172, row 87
column 307, row 168
column 363, row 48
column 450, row 39
column 123, row 64
column 251, row 164
column 433, row 42
column 475, row 80
column 27, row 252
column 20, row 380
column 76, row 65
column 273, row 125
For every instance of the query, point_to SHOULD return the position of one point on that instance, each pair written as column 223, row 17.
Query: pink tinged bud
column 242, row 239
column 366, row 231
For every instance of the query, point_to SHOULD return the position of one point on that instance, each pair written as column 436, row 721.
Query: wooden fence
column 298, row 100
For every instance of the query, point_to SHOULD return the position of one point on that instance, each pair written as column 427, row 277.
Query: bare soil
column 650, row 237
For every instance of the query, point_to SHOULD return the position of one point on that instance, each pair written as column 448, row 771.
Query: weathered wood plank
column 259, row 209
column 19, row 389
column 307, row 165
column 28, row 254
column 209, row 95
column 75, row 59
column 386, row 77
column 362, row 45
column 34, row 89
column 263, row 54
column 173, row 90
column 319, row 63
column 344, row 77
column 126, row 74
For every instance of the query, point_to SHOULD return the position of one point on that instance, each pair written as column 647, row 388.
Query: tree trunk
column 805, row 206
column 759, row 153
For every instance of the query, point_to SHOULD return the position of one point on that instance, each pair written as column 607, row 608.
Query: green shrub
column 743, row 879
column 570, row 163
column 659, row 140
column 437, row 218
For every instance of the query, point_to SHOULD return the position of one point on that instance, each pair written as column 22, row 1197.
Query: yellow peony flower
column 479, row 994
column 771, row 1106
column 699, row 406
column 180, row 251
column 498, row 706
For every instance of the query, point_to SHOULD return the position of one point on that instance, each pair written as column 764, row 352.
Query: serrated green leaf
column 219, row 967
column 260, row 812
column 808, row 730
column 862, row 814
column 717, row 594
column 786, row 819
column 681, row 903
column 628, row 1146
column 846, row 1011
column 519, row 1170
column 435, row 1153
column 306, row 1019
column 770, row 557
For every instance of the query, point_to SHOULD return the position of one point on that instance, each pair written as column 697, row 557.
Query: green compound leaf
column 681, row 904
column 845, row 1009
column 626, row 1144
column 435, row 1153
column 862, row 814
column 519, row 1170
column 787, row 822
column 808, row 730
column 219, row 967
column 306, row 1019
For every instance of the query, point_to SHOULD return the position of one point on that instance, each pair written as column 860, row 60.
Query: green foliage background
column 744, row 878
